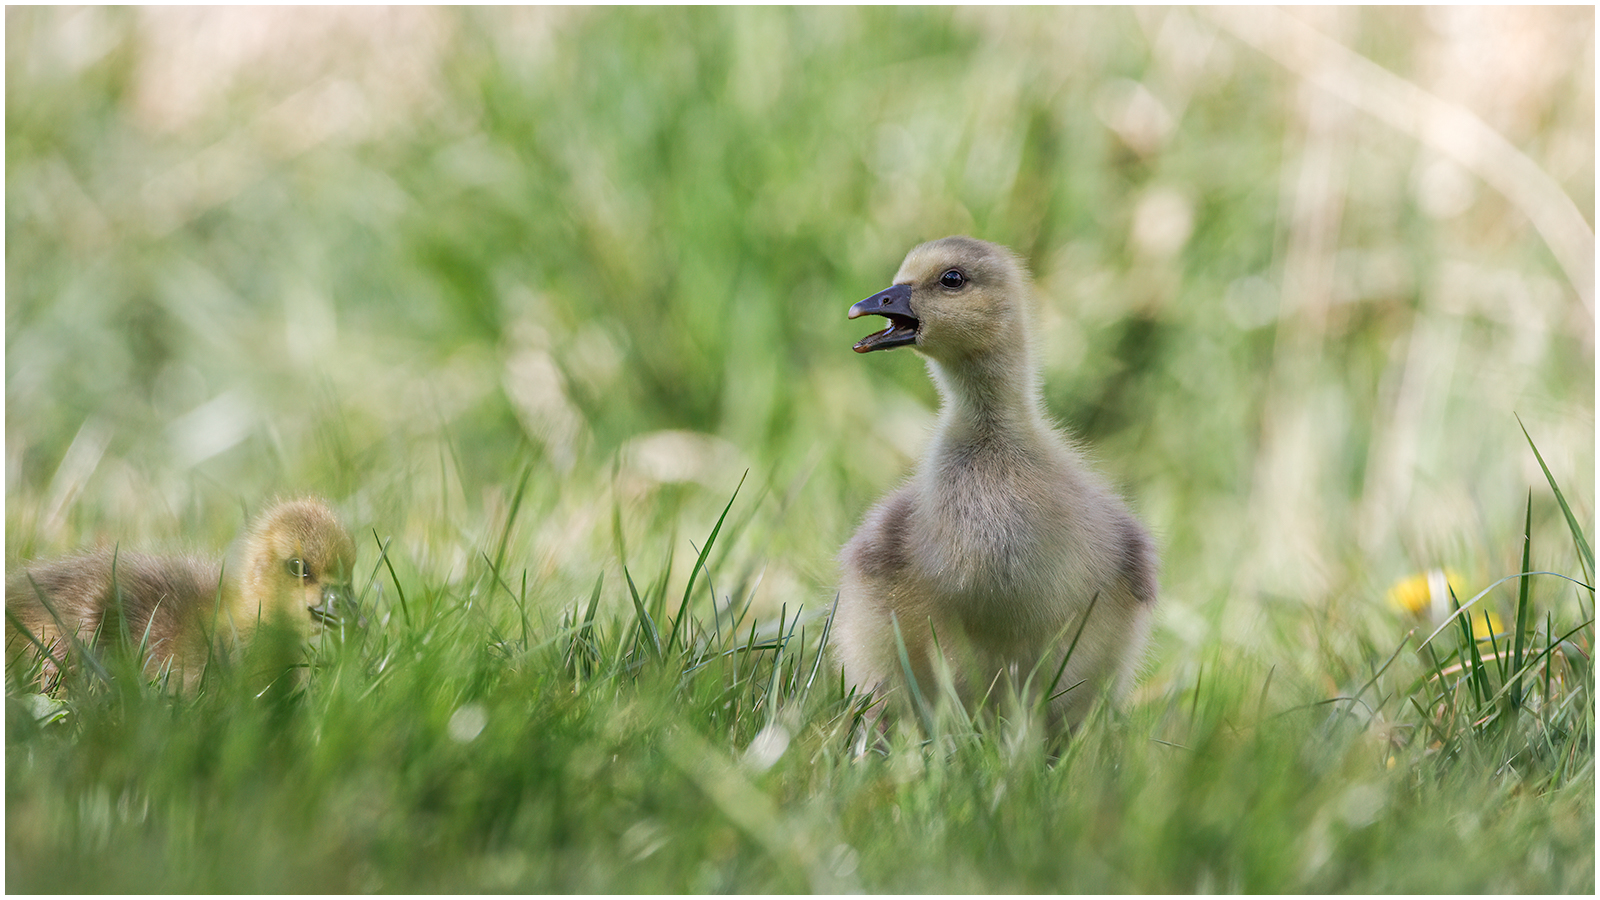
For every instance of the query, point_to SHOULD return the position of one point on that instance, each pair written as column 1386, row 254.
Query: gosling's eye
column 953, row 279
column 297, row 568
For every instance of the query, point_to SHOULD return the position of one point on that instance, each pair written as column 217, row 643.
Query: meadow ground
column 550, row 305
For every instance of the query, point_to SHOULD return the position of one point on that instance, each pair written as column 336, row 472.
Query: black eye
column 953, row 279
column 297, row 568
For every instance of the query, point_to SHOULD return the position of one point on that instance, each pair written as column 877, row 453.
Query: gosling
column 291, row 569
column 1003, row 551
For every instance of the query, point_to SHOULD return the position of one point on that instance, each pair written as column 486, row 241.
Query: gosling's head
column 294, row 566
column 956, row 300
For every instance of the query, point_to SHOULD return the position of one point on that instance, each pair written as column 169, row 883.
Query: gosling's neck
column 991, row 399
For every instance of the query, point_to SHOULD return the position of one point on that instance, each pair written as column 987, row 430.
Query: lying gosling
column 1003, row 544
column 291, row 569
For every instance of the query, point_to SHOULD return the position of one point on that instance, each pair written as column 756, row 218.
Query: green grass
column 550, row 305
column 661, row 751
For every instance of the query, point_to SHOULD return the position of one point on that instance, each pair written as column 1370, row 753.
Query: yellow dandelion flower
column 1427, row 595
column 1424, row 592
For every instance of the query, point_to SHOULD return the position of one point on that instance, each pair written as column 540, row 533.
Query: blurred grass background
column 400, row 257
column 394, row 255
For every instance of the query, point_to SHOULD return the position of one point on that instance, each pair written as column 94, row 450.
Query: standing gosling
column 292, row 569
column 1003, row 545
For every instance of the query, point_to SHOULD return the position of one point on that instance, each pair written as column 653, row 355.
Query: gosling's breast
column 995, row 515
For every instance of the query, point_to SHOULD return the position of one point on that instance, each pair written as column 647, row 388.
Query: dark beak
column 893, row 304
column 338, row 608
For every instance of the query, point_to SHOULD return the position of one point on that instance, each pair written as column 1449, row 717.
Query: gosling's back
column 152, row 602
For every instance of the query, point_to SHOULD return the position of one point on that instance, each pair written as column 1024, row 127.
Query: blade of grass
column 78, row 648
column 1585, row 552
column 646, row 627
column 1427, row 721
column 1522, row 603
column 27, row 632
column 822, row 647
column 657, row 593
column 116, row 599
column 1379, row 673
column 372, row 579
column 1199, row 679
column 796, row 660
column 947, row 687
column 711, row 541
column 924, row 715
column 749, row 650
column 511, row 518
column 383, row 554
column 496, row 580
column 789, row 641
column 1476, row 676
column 594, row 602
column 1549, row 632
column 1494, row 647
column 208, row 673
column 711, row 588
column 522, row 608
column 774, row 681
column 1082, row 623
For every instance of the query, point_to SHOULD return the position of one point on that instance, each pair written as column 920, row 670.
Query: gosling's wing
column 161, row 598
column 881, row 549
column 1139, row 569
column 112, row 593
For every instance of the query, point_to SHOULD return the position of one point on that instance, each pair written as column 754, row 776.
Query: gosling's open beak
column 338, row 608
column 893, row 304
